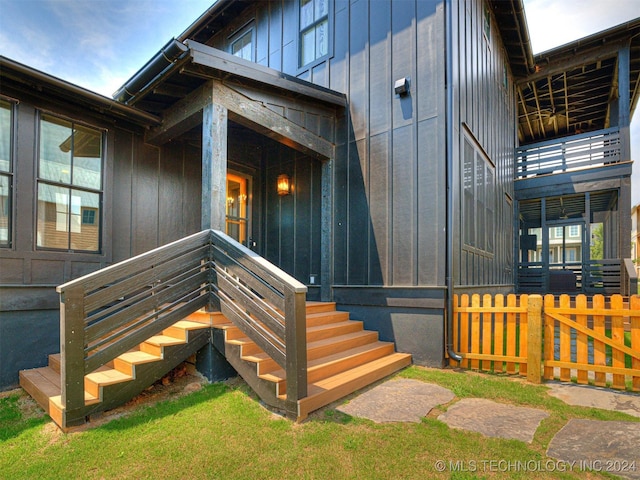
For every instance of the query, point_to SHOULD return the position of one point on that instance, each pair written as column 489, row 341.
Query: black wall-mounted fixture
column 402, row 87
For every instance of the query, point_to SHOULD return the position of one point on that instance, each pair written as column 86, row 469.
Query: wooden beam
column 181, row 117
column 184, row 115
column 258, row 117
column 214, row 166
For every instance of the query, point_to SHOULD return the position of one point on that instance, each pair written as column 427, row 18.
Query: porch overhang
column 587, row 85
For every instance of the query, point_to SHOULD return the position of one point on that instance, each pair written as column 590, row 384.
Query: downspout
column 448, row 10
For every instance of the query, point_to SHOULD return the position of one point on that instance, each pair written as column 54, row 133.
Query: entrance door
column 237, row 219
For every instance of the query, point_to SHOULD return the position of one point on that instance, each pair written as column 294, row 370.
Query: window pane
column 469, row 203
column 306, row 13
column 53, row 217
column 5, row 210
column 490, row 201
column 322, row 8
column 480, row 205
column 5, row 136
column 322, row 43
column 242, row 46
column 84, row 235
column 308, row 47
column 55, row 150
column 87, row 157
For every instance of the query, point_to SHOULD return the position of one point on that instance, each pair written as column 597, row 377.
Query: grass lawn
column 221, row 431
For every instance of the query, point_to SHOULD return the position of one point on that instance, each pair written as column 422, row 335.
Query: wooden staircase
column 122, row 379
column 342, row 357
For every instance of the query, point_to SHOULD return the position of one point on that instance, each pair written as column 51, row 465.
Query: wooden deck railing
column 593, row 276
column 111, row 311
column 569, row 153
column 266, row 304
column 592, row 337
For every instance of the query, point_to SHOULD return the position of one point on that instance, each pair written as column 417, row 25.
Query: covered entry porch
column 248, row 130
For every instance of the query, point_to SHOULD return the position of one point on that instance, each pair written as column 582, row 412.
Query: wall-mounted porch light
column 284, row 184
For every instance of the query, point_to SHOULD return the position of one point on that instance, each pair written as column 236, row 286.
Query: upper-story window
column 69, row 186
column 314, row 30
column 242, row 44
column 6, row 177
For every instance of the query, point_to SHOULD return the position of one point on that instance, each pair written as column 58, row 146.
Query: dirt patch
column 181, row 381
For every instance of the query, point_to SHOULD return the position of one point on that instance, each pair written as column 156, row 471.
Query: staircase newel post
column 72, row 347
column 296, row 345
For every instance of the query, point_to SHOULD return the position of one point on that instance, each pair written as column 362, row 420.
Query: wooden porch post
column 214, row 166
column 624, row 112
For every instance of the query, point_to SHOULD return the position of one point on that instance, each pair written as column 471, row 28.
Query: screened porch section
column 570, row 244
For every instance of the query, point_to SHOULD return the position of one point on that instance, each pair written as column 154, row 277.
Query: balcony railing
column 568, row 154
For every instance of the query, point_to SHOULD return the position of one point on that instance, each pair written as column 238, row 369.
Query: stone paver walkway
column 494, row 419
column 587, row 396
column 400, row 400
column 612, row 447
column 604, row 446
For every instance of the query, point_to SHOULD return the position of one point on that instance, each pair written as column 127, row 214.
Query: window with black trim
column 6, row 170
column 69, row 186
column 478, row 198
column 314, row 30
column 242, row 44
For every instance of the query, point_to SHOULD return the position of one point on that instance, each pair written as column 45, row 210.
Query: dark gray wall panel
column 403, row 205
column 431, row 205
column 358, row 77
column 19, row 350
column 419, row 332
column 122, row 190
column 358, row 215
column 380, row 89
column 171, row 193
column 145, row 200
column 379, row 207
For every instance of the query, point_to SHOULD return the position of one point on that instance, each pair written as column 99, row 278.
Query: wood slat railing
column 111, row 311
column 267, row 304
column 568, row 154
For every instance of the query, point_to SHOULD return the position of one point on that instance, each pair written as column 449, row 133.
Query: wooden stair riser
column 209, row 319
column 324, row 318
column 317, row 307
column 333, row 330
column 336, row 365
column 54, row 362
column 314, row 334
column 319, row 349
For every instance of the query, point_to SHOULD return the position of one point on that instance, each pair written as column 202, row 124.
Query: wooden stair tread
column 164, row 340
column 137, row 357
column 189, row 325
column 108, row 377
column 44, row 379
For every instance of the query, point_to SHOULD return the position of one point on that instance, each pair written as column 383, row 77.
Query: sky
column 100, row 44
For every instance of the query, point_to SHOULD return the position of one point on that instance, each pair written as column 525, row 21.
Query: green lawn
column 221, row 431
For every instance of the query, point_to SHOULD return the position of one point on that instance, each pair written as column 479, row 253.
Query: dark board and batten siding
column 389, row 176
column 484, row 110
